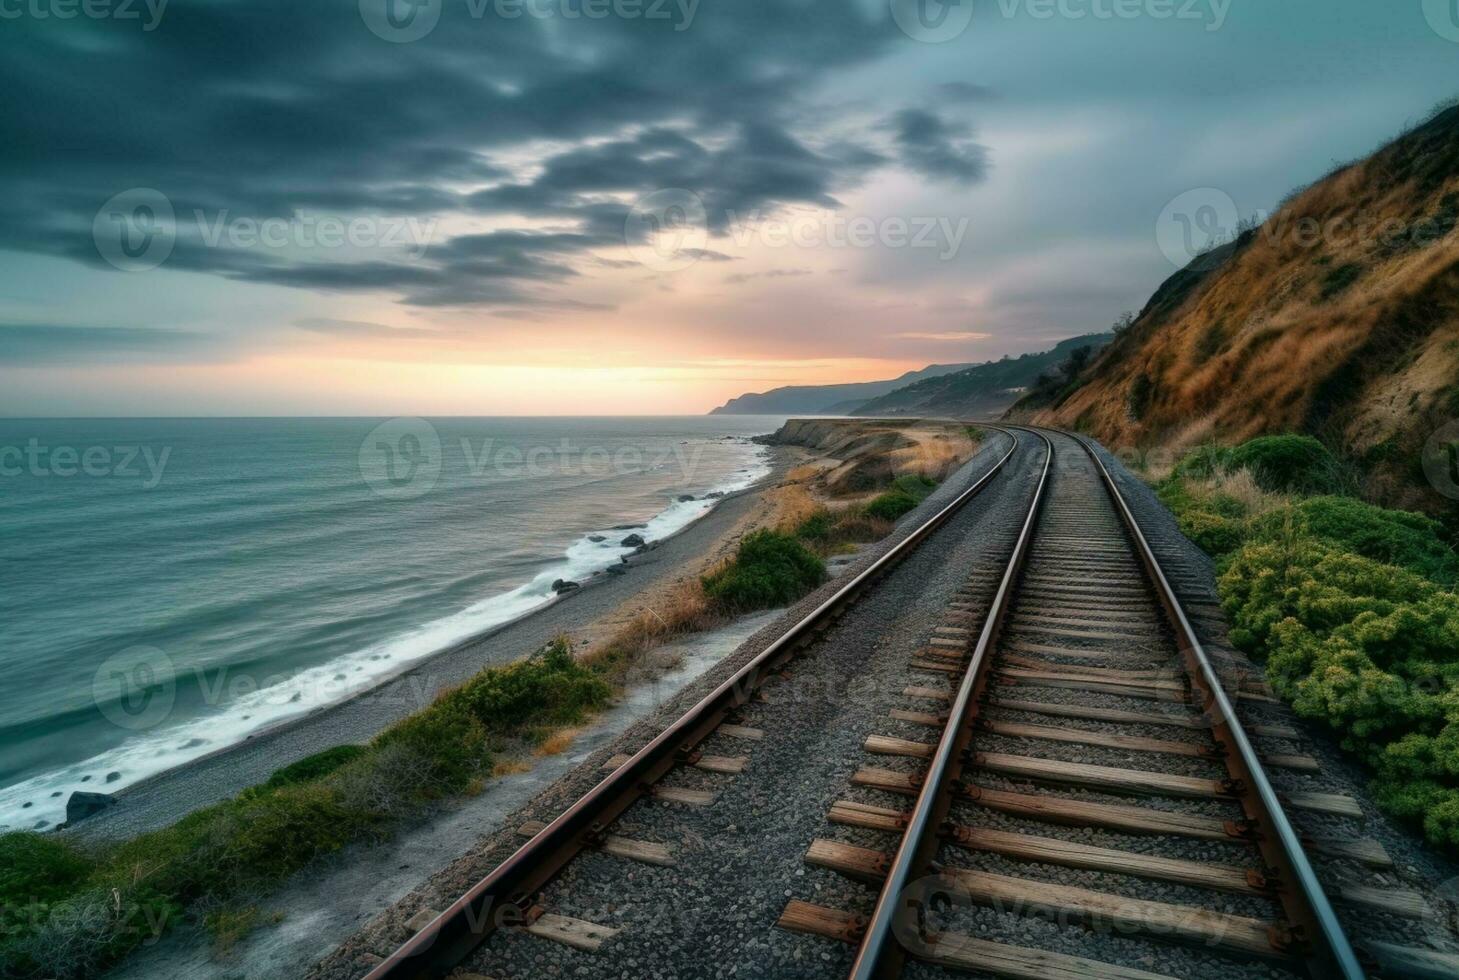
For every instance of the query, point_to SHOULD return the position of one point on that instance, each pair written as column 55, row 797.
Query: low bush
column 1351, row 608
column 769, row 569
column 891, row 506
column 314, row 767
column 1289, row 464
column 915, row 485
column 1394, row 537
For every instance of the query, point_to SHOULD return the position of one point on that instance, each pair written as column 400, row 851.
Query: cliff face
column 1338, row 317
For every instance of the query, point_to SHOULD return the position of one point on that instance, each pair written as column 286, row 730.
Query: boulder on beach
column 715, row 495
column 629, row 527
column 633, row 541
column 618, row 569
column 685, row 498
column 562, row 586
column 596, row 538
column 83, row 805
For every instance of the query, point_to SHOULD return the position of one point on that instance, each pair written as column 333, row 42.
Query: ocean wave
column 39, row 802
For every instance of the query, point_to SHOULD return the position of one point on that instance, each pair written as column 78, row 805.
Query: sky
column 568, row 207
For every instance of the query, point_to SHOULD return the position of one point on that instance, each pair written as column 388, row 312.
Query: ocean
column 168, row 586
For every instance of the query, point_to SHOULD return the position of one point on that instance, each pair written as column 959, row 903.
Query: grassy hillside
column 1338, row 318
column 984, row 389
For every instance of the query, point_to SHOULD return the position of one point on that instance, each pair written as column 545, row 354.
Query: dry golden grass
column 1242, row 486
column 509, row 767
column 938, row 450
column 557, row 743
column 792, row 505
column 683, row 609
column 1346, row 332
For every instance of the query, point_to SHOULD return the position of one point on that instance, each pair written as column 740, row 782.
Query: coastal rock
column 618, row 569
column 629, row 527
column 714, row 495
column 83, row 805
column 685, row 498
column 562, row 586
column 633, row 541
column 112, row 777
column 596, row 538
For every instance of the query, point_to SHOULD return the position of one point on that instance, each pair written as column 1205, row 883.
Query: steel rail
column 882, row 953
column 1307, row 906
column 504, row 897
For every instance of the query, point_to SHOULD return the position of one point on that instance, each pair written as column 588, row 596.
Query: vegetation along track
column 1094, row 806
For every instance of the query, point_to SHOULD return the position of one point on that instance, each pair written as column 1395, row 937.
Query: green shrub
column 38, row 868
column 449, row 739
column 769, row 569
column 1215, row 534
column 1394, row 537
column 891, row 506
column 549, row 690
column 817, row 527
column 314, row 767
column 914, row 485
column 1204, row 462
column 1288, row 464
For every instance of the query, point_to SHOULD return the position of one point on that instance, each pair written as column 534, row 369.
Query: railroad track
column 1085, row 781
column 1063, row 788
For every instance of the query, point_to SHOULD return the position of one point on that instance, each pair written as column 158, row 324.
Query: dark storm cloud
column 273, row 108
column 937, row 148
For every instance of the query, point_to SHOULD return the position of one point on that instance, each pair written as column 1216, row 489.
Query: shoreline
column 164, row 797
